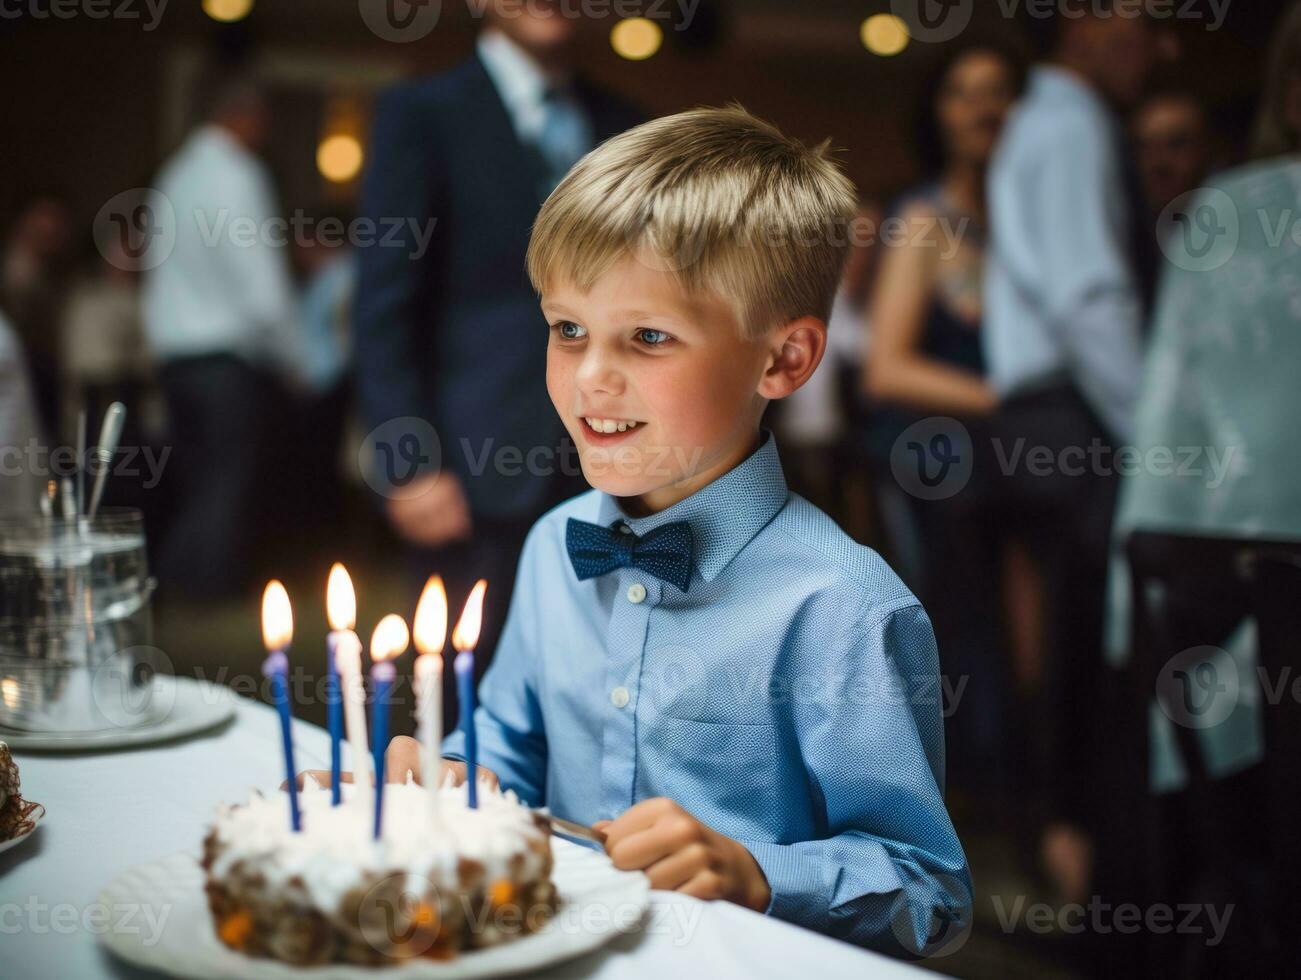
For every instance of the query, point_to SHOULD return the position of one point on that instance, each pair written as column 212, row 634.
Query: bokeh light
column 227, row 11
column 885, row 34
column 636, row 38
column 339, row 158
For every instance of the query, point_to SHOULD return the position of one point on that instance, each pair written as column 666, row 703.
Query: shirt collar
column 519, row 80
column 724, row 515
column 1057, row 82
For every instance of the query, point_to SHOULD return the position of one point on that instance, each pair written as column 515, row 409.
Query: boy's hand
column 679, row 853
column 401, row 756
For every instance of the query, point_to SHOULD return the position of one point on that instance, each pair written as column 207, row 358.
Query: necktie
column 564, row 137
column 664, row 552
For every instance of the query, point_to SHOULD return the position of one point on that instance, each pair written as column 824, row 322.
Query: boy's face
column 673, row 369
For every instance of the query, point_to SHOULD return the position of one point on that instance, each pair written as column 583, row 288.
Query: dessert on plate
column 444, row 879
column 17, row 816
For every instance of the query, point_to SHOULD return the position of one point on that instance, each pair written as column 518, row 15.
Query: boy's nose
column 598, row 373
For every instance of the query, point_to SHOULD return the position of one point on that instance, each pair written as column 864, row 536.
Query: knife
column 567, row 828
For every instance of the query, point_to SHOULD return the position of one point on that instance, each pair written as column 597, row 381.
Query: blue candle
column 334, row 720
column 388, row 641
column 465, row 695
column 341, row 610
column 465, row 637
column 382, row 674
column 276, row 669
column 277, row 633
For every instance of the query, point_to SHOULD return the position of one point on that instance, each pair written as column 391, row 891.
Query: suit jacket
column 452, row 333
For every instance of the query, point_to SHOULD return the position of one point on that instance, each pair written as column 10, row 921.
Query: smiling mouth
column 609, row 426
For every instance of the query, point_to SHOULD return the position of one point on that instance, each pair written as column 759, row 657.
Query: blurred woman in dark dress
column 925, row 363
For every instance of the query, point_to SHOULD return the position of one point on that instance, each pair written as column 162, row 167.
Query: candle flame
column 389, row 639
column 340, row 599
column 430, row 626
column 466, row 634
column 277, row 617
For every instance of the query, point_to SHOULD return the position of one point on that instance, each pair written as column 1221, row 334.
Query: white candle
column 347, row 657
column 429, row 720
column 430, row 632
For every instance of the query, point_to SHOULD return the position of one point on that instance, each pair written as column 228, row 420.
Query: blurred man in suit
column 448, row 330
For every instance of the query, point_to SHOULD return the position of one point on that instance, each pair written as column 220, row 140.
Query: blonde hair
column 716, row 197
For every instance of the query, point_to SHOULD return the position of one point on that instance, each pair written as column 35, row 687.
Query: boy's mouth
column 604, row 431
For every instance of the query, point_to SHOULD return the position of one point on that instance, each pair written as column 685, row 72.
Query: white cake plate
column 597, row 904
column 185, row 706
column 36, row 819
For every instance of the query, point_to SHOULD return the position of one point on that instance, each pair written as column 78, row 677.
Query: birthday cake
column 17, row 816
column 445, row 878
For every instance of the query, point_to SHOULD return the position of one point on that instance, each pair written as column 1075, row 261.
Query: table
column 106, row 812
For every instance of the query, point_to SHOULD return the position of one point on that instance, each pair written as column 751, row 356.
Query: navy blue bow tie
column 664, row 552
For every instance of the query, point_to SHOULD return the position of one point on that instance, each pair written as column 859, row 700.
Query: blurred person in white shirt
column 20, row 485
column 1067, row 275
column 220, row 322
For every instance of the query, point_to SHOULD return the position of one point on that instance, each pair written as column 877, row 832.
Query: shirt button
column 636, row 592
column 619, row 697
column 625, row 529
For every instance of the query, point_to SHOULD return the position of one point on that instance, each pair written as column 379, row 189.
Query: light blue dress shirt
column 1060, row 297
column 787, row 699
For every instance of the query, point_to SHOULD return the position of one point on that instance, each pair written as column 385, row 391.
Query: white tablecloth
column 108, row 811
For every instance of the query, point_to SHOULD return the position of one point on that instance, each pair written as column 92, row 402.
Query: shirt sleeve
column 508, row 722
column 1094, row 305
column 399, row 195
column 256, row 267
column 891, row 874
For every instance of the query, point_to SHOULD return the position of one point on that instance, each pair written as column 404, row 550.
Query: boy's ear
column 796, row 351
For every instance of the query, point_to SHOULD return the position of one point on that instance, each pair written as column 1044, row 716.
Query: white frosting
column 335, row 849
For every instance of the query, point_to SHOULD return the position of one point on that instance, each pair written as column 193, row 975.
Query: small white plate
column 37, row 816
column 597, row 904
column 183, row 705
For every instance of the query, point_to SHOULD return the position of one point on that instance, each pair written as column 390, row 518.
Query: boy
column 696, row 661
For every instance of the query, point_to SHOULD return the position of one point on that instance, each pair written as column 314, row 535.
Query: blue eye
column 653, row 338
column 569, row 331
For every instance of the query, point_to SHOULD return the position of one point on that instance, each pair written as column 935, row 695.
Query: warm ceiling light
column 227, row 11
column 636, row 38
column 339, row 158
column 885, row 34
